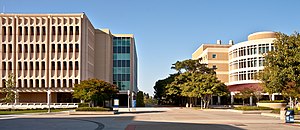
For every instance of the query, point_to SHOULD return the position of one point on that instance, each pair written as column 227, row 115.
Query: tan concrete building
column 53, row 52
column 215, row 56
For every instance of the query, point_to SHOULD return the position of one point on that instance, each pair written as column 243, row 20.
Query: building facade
column 52, row 52
column 215, row 56
column 246, row 59
column 236, row 65
column 124, row 65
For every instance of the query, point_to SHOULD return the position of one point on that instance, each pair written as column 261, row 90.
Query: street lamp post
column 128, row 93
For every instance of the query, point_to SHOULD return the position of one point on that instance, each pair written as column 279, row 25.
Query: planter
column 272, row 105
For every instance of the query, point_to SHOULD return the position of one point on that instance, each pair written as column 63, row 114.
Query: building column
column 16, row 97
column 273, row 97
column 219, row 100
column 231, row 97
column 49, row 100
column 251, row 101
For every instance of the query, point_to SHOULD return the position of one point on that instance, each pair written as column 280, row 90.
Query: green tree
column 160, row 88
column 195, row 80
column 281, row 73
column 245, row 94
column 9, row 90
column 94, row 90
column 140, row 99
column 192, row 66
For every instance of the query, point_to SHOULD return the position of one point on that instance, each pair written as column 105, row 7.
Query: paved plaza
column 147, row 119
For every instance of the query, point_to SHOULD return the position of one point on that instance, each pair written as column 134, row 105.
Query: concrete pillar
column 16, row 97
column 49, row 100
column 251, row 100
column 273, row 97
column 219, row 100
column 232, row 98
column 48, row 97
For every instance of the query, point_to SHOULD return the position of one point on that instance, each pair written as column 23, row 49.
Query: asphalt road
column 147, row 119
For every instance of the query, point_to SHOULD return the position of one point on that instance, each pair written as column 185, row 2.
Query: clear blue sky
column 171, row 30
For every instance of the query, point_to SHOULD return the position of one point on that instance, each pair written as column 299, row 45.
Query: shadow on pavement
column 140, row 112
column 141, row 125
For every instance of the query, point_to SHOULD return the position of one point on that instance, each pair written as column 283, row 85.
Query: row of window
column 64, row 64
column 246, row 63
column 118, row 56
column 121, row 49
column 36, row 83
column 243, row 75
column 24, row 65
column 251, row 50
column 121, row 63
column 59, row 30
column 39, row 47
column 121, row 70
column 122, row 85
column 40, row 20
column 121, row 77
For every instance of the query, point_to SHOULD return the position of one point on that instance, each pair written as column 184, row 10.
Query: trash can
column 289, row 116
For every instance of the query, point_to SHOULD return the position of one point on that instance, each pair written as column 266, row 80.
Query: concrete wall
column 104, row 55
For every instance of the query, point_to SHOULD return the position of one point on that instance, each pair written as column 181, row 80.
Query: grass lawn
column 9, row 112
column 252, row 108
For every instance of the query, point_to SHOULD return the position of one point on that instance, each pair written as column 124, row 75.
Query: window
column 64, row 65
column 9, row 48
column 71, row 30
column 43, row 48
column 38, row 30
column 31, row 65
column 71, row 65
column 3, row 30
column 52, row 83
column 9, row 30
column 31, row 48
column 53, row 30
column 77, row 30
column 43, row 30
column 76, row 65
column 43, row 65
column 71, row 47
column 65, row 48
column 31, row 30
column 26, row 30
column 76, row 48
column 53, row 47
column 214, row 55
column 53, row 65
column 20, row 30
column 59, row 30
column 37, row 65
column 37, row 47
column 65, row 30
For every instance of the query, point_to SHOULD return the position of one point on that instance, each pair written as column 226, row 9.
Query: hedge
column 275, row 101
column 251, row 108
column 92, row 109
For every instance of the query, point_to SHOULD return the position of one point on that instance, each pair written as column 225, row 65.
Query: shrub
column 83, row 105
column 251, row 108
column 92, row 109
column 275, row 101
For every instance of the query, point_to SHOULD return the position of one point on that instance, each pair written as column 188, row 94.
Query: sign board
column 133, row 103
column 116, row 102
